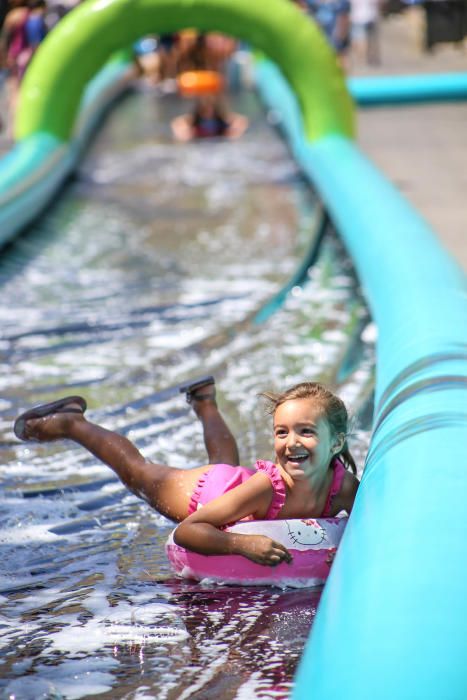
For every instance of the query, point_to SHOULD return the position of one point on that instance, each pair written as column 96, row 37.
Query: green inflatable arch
column 85, row 39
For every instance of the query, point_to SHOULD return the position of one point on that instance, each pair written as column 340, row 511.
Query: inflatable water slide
column 391, row 622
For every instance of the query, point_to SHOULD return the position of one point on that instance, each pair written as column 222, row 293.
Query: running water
column 149, row 270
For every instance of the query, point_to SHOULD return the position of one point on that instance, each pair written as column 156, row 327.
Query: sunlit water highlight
column 143, row 274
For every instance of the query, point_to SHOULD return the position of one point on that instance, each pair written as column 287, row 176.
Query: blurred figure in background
column 202, row 66
column 147, row 59
column 365, row 17
column 167, row 51
column 14, row 52
column 190, row 51
column 23, row 30
column 219, row 49
column 204, row 51
column 184, row 51
column 445, row 22
column 36, row 28
column 3, row 10
column 54, row 13
column 209, row 119
column 333, row 16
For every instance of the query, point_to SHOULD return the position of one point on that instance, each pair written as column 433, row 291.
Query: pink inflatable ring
column 311, row 543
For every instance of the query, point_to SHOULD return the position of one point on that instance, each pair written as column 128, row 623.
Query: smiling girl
column 308, row 478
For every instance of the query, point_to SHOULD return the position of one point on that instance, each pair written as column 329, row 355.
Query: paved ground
column 422, row 149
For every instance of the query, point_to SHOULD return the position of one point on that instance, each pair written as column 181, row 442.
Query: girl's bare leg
column 165, row 488
column 220, row 444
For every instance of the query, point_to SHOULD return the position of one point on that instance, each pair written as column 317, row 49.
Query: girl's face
column 303, row 440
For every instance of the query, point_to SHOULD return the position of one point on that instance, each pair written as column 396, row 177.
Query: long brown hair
column 333, row 407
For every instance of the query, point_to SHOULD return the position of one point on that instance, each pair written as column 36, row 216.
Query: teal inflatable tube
column 391, row 622
column 408, row 89
column 35, row 169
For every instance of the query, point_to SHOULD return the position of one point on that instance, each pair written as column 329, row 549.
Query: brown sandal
column 47, row 409
column 191, row 389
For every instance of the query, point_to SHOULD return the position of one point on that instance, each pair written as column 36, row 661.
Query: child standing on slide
column 308, row 479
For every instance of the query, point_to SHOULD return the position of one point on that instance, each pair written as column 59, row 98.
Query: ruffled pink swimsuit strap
column 336, row 483
column 278, row 487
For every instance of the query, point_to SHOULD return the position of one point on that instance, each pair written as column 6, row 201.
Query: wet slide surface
column 143, row 274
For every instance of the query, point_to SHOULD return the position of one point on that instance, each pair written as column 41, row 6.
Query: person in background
column 209, row 119
column 14, row 52
column 3, row 11
column 207, row 55
column 333, row 17
column 445, row 21
column 167, row 51
column 205, row 51
column 35, row 28
column 365, row 18
column 219, row 49
column 190, row 51
column 54, row 12
column 147, row 60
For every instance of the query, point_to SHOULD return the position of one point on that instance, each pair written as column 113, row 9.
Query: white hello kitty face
column 307, row 533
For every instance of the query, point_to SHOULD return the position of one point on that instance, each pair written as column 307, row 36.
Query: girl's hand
column 263, row 550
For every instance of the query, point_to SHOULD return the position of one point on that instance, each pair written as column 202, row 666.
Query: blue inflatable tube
column 408, row 89
column 391, row 622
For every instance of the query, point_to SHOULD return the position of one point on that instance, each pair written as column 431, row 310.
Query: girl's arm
column 200, row 531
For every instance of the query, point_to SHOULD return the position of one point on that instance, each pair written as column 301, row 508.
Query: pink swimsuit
column 224, row 477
